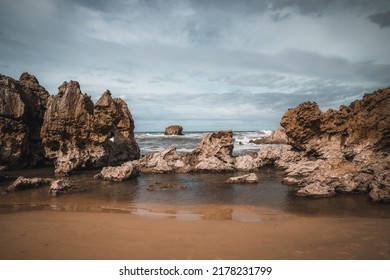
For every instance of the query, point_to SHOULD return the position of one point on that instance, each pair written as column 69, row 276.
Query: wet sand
column 92, row 235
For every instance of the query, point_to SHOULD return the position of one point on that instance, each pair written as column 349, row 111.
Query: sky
column 204, row 64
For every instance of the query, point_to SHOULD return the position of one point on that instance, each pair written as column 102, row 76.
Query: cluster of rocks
column 56, row 188
column 321, row 153
column 67, row 129
column 338, row 151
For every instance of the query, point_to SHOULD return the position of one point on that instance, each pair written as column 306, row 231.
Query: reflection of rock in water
column 168, row 186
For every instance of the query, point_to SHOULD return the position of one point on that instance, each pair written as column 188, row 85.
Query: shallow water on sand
column 206, row 196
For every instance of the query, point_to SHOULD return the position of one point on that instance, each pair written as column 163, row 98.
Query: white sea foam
column 157, row 141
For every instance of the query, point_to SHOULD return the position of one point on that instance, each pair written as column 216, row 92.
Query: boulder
column 118, row 173
column 213, row 153
column 22, row 106
column 164, row 161
column 22, row 183
column 58, row 187
column 78, row 134
column 174, row 130
column 247, row 178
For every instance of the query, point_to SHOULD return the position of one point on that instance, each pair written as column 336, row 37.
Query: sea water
column 203, row 190
column 157, row 141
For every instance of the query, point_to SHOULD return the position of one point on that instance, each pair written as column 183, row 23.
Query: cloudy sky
column 204, row 64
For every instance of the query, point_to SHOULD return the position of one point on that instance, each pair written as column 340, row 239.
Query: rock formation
column 340, row 151
column 247, row 178
column 174, row 130
column 22, row 106
column 213, row 154
column 22, row 183
column 277, row 136
column 58, row 187
column 77, row 134
column 118, row 173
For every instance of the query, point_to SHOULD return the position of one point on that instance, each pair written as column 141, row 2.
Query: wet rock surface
column 22, row 183
column 250, row 178
column 119, row 173
column 58, row 187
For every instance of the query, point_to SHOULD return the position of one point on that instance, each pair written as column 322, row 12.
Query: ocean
column 157, row 141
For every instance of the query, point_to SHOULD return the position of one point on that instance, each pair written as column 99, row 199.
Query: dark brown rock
column 22, row 106
column 174, row 130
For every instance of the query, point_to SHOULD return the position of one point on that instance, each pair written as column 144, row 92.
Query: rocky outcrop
column 58, row 187
column 277, row 136
column 118, row 173
column 22, row 106
column 174, row 130
column 164, row 161
column 213, row 154
column 22, row 183
column 244, row 179
column 343, row 151
column 78, row 134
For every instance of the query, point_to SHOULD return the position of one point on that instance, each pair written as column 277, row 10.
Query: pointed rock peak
column 26, row 77
column 105, row 100
column 72, row 87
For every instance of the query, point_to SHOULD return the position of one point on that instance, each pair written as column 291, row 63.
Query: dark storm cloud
column 202, row 62
column 382, row 19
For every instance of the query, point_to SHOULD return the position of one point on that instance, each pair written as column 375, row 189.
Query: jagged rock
column 339, row 151
column 165, row 161
column 76, row 134
column 316, row 190
column 22, row 183
column 247, row 162
column 380, row 194
column 22, row 105
column 278, row 136
column 248, row 178
column 118, row 173
column 174, row 130
column 58, row 187
column 213, row 153
column 168, row 186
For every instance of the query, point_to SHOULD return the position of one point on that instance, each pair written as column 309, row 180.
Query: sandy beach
column 89, row 235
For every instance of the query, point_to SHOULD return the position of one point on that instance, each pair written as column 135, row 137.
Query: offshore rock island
column 320, row 153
